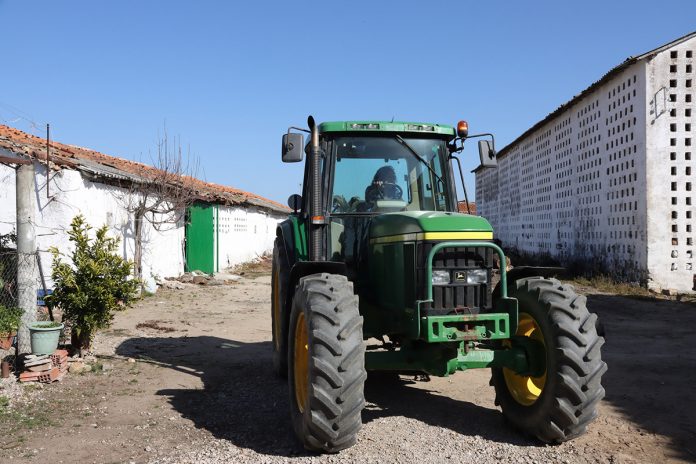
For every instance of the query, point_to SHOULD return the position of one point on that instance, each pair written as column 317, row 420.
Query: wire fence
column 22, row 285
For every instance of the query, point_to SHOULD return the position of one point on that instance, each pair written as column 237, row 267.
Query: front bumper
column 496, row 325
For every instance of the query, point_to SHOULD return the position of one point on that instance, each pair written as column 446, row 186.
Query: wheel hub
column 526, row 389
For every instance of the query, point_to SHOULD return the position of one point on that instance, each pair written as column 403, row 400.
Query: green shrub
column 94, row 284
column 9, row 319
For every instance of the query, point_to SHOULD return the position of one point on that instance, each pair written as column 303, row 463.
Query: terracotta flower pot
column 6, row 340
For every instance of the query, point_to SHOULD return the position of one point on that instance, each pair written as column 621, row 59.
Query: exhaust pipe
column 315, row 207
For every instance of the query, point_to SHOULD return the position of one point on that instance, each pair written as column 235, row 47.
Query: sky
column 228, row 78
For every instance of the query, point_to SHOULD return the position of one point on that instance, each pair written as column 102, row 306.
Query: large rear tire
column 326, row 356
column 279, row 321
column 559, row 404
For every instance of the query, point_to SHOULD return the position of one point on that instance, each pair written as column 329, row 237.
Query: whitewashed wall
column 575, row 188
column 72, row 194
column 8, row 204
column 671, row 158
column 244, row 234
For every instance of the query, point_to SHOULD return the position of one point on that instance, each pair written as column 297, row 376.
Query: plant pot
column 44, row 340
column 7, row 340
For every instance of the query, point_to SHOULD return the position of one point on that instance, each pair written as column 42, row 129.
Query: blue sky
column 228, row 78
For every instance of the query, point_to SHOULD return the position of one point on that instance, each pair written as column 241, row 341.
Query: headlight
column 476, row 276
column 441, row 277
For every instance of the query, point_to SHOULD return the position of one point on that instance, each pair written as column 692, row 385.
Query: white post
column 26, row 259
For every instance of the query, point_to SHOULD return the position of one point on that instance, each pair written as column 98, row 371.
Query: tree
column 162, row 194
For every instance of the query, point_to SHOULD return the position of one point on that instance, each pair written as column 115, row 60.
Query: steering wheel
column 398, row 192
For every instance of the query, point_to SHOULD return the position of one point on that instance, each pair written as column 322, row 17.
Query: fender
column 284, row 232
column 304, row 268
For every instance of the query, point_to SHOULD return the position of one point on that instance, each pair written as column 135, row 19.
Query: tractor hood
column 425, row 225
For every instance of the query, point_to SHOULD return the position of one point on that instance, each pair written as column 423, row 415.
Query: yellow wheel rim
column 524, row 389
column 276, row 310
column 301, row 362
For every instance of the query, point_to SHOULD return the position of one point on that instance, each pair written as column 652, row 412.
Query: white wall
column 671, row 159
column 72, row 194
column 575, row 188
column 8, row 204
column 244, row 234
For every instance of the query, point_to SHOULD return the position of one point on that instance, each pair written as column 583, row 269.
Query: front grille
column 456, row 297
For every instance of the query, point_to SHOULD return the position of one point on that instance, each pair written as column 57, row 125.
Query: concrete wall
column 671, row 141
column 575, row 188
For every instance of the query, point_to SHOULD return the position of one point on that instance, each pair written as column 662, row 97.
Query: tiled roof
column 101, row 165
column 461, row 206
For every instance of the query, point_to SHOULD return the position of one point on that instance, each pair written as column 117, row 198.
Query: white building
column 82, row 181
column 605, row 181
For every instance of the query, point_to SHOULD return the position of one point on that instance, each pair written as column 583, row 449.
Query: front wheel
column 326, row 359
column 557, row 404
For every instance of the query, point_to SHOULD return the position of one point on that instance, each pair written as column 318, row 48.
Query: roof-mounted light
column 420, row 127
column 370, row 126
column 462, row 129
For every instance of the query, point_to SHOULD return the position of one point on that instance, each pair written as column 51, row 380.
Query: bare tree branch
column 163, row 193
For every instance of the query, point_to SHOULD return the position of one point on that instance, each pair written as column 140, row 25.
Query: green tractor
column 377, row 271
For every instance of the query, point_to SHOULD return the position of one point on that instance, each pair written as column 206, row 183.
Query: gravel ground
column 201, row 391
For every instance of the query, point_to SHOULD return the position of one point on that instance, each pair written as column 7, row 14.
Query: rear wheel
column 326, row 357
column 279, row 321
column 557, row 404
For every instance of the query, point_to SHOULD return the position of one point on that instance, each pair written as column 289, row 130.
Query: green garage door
column 200, row 239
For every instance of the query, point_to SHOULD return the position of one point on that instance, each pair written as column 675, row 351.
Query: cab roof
column 387, row 126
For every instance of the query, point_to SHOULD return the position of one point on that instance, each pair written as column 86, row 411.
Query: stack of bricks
column 45, row 368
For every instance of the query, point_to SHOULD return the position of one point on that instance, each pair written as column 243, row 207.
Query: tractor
column 377, row 271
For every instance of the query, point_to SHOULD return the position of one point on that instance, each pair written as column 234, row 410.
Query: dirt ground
column 185, row 376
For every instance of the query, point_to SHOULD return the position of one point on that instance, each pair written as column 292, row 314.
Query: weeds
column 606, row 284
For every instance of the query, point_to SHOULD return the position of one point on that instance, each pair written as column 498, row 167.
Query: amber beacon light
column 462, row 128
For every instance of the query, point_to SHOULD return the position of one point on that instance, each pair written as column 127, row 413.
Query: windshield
column 381, row 174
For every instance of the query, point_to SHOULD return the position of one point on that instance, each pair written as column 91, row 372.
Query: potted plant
column 10, row 318
column 44, row 336
column 93, row 285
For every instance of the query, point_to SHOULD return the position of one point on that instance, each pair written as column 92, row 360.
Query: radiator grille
column 456, row 297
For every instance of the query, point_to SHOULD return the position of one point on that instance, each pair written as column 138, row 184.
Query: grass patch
column 30, row 417
column 154, row 325
column 97, row 368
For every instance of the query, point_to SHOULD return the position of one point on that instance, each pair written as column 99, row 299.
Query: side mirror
column 487, row 154
column 293, row 144
column 295, row 202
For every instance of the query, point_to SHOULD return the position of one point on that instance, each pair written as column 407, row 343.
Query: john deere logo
column 460, row 275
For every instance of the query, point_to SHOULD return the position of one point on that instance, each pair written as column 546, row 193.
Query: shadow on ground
column 651, row 353
column 650, row 350
column 243, row 402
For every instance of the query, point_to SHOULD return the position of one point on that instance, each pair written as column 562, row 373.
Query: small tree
column 161, row 195
column 93, row 285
